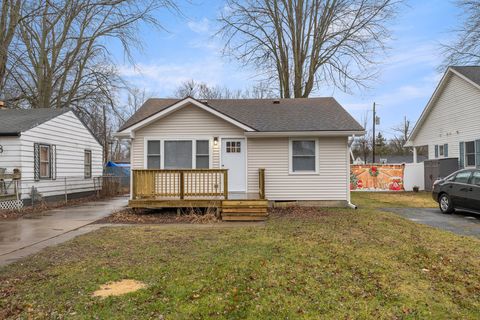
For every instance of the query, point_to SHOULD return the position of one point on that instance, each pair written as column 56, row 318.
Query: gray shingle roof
column 471, row 72
column 16, row 121
column 299, row 114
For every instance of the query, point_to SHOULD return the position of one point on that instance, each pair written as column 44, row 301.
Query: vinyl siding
column 188, row 122
column 455, row 117
column 273, row 154
column 10, row 157
column 71, row 139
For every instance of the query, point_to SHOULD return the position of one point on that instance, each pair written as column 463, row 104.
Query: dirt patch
column 299, row 212
column 118, row 288
column 130, row 216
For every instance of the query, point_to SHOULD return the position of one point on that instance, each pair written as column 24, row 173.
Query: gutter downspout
column 350, row 154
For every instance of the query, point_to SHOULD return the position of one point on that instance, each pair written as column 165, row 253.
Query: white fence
column 414, row 176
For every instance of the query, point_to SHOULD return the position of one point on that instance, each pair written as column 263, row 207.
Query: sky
column 189, row 49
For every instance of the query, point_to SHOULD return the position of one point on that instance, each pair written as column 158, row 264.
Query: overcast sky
column 188, row 50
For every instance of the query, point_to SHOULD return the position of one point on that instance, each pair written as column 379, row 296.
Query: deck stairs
column 244, row 210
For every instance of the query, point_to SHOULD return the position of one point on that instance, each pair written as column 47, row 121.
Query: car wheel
column 445, row 203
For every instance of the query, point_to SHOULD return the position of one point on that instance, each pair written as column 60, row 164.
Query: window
column 87, row 164
column 303, row 156
column 153, row 154
column 233, row 147
column 203, row 159
column 178, row 154
column 440, row 150
column 470, row 154
column 476, row 178
column 45, row 162
column 462, row 177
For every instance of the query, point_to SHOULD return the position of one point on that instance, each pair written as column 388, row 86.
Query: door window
column 462, row 177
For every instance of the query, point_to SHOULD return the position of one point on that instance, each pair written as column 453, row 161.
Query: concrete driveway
column 19, row 238
column 462, row 223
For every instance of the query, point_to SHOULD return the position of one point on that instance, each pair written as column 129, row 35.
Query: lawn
column 331, row 264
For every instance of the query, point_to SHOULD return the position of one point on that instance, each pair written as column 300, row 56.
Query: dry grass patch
column 365, row 199
column 118, row 288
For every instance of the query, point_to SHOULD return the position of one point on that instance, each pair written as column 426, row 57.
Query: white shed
column 52, row 149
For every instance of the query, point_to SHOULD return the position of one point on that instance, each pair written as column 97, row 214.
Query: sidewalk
column 22, row 237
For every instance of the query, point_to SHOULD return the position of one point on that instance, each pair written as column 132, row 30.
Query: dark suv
column 460, row 190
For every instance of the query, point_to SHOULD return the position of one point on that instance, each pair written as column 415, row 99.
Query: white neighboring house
column 301, row 143
column 450, row 123
column 47, row 146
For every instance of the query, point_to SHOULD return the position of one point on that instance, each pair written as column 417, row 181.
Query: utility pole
column 374, row 121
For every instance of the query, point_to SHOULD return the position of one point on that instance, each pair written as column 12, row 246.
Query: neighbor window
column 303, row 156
column 203, row 159
column 440, row 150
column 470, row 154
column 45, row 161
column 87, row 164
column 178, row 154
column 153, row 154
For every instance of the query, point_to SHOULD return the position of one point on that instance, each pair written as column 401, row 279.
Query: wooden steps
column 244, row 210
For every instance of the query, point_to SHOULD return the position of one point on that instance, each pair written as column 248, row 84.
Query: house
column 450, row 123
column 51, row 150
column 280, row 150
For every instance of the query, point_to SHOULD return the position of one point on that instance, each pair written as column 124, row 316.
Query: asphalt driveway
column 462, row 223
column 22, row 237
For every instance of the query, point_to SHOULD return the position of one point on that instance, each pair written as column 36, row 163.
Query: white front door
column 233, row 159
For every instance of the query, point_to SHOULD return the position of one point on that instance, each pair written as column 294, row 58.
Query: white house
column 53, row 150
column 301, row 143
column 450, row 123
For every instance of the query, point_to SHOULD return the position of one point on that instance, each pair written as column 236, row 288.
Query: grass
column 393, row 199
column 336, row 264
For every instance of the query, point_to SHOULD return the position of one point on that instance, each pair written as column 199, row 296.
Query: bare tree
column 402, row 132
column 202, row 90
column 362, row 145
column 9, row 18
column 465, row 49
column 301, row 44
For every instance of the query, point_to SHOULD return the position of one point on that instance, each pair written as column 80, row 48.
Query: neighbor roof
column 470, row 72
column 299, row 114
column 16, row 121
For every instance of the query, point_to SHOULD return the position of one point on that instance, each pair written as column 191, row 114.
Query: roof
column 15, row 121
column 470, row 72
column 298, row 114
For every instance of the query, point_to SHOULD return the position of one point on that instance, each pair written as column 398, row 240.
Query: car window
column 462, row 177
column 476, row 178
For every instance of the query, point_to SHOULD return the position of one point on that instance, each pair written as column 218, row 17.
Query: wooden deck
column 197, row 188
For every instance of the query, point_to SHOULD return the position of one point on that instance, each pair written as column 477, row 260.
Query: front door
column 233, row 159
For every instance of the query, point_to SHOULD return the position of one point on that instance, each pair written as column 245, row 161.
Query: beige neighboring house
column 450, row 123
column 302, row 145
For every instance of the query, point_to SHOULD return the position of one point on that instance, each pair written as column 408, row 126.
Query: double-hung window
column 153, row 154
column 470, row 154
column 87, row 164
column 45, row 162
column 303, row 156
column 203, row 155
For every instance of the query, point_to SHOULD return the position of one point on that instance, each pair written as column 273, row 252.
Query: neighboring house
column 48, row 146
column 396, row 159
column 301, row 143
column 450, row 123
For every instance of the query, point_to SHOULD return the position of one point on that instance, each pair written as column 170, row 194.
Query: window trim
column 175, row 138
column 49, row 163
column 466, row 154
column 89, row 176
column 290, row 156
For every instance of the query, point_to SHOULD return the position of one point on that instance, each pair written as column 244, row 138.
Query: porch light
column 215, row 141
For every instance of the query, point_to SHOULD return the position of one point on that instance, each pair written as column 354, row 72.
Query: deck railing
column 180, row 184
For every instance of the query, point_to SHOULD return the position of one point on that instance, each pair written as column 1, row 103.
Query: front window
column 470, row 154
column 153, row 154
column 203, row 155
column 44, row 161
column 303, row 156
column 462, row 177
column 178, row 154
column 88, row 164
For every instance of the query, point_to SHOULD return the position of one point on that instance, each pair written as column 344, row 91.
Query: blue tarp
column 113, row 164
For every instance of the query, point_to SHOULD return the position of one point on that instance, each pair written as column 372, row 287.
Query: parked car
column 460, row 190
